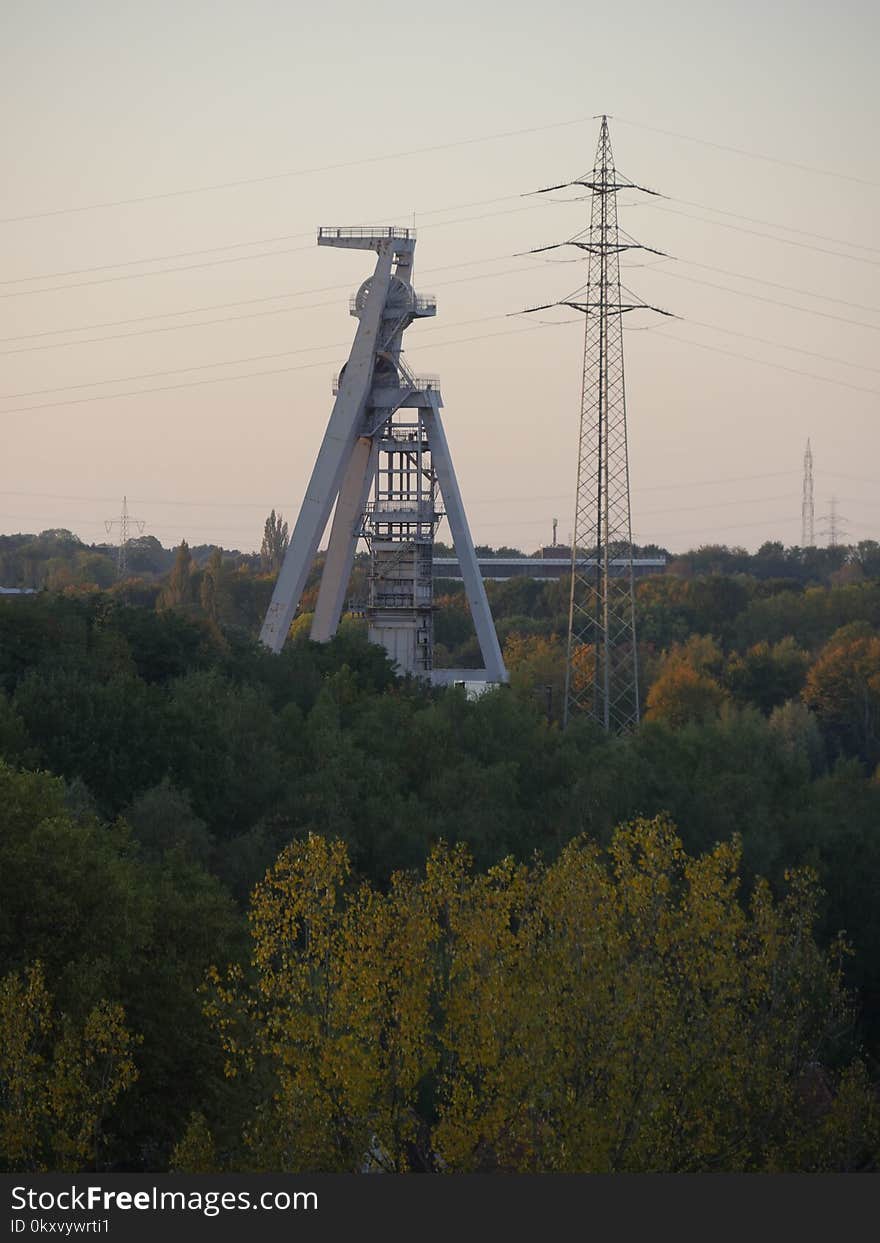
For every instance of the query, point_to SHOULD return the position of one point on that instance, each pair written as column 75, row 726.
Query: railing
column 419, row 305
column 404, row 435
column 415, row 384
column 377, row 508
column 368, row 231
column 393, row 600
column 419, row 384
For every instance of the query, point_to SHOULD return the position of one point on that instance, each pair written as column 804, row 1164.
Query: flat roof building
column 500, row 569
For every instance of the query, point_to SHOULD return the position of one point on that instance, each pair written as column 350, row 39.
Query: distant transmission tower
column 834, row 524
column 602, row 660
column 124, row 522
column 808, row 530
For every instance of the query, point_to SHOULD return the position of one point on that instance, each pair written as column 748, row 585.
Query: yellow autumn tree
column 629, row 1014
column 619, row 1010
column 843, row 689
column 537, row 662
column 340, row 1014
column 687, row 687
column 58, row 1080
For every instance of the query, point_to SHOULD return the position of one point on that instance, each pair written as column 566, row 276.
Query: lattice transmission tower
column 834, row 524
column 125, row 522
column 602, row 658
column 808, row 513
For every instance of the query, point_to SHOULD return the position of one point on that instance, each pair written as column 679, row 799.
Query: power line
column 128, row 263
column 859, row 500
column 251, row 375
column 300, row 172
column 648, row 513
column 210, row 263
column 217, row 306
column 232, row 319
column 681, row 509
column 170, row 327
column 706, row 483
column 760, row 280
column 277, row 297
column 774, row 224
column 284, row 237
column 153, row 375
column 493, row 500
column 852, row 478
column 752, row 155
column 229, row 362
column 811, row 375
column 783, row 241
column 457, row 341
column 779, row 345
column 263, row 241
column 730, row 526
column 130, row 276
column 790, row 306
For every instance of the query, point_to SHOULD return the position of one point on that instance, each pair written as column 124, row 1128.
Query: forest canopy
column 543, row 948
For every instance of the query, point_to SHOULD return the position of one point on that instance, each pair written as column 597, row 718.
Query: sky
column 169, row 330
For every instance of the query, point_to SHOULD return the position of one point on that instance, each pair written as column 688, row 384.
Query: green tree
column 108, row 926
column 767, row 675
column 274, row 544
column 178, row 591
column 209, row 587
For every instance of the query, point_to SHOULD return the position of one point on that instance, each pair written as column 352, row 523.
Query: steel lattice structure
column 808, row 525
column 602, row 656
column 124, row 522
column 385, row 436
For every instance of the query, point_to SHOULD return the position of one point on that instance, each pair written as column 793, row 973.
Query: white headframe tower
column 385, row 437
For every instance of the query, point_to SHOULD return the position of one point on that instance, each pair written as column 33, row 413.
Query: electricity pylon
column 602, row 676
column 808, row 523
column 124, row 522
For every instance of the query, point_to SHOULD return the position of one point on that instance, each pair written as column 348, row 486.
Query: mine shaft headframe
column 367, row 237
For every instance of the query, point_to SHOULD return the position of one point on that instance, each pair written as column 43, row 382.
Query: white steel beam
column 332, row 458
column 343, row 537
column 464, row 545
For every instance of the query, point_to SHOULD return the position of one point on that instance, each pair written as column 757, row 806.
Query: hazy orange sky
column 176, row 343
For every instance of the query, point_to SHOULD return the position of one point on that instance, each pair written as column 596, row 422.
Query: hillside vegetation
column 294, row 912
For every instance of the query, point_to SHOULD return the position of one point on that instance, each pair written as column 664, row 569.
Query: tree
column 340, row 1014
column 209, row 587
column 108, row 926
column 57, row 1080
column 682, row 694
column 274, row 544
column 767, row 675
column 537, row 667
column 178, row 590
column 843, row 689
column 867, row 555
column 614, row 1011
